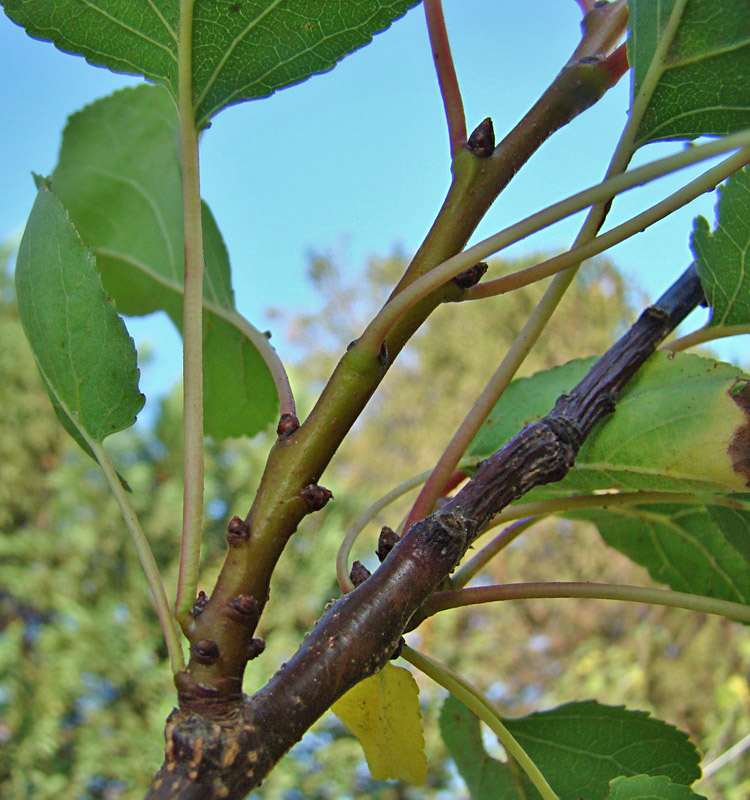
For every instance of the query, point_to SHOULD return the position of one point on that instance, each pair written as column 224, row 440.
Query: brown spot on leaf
column 739, row 444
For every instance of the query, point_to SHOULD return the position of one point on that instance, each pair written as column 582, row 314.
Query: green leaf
column 645, row 787
column 723, row 257
column 382, row 711
column 701, row 82
column 671, row 430
column 242, row 50
column 486, row 778
column 82, row 348
column 734, row 523
column 119, row 176
column 580, row 747
column 680, row 545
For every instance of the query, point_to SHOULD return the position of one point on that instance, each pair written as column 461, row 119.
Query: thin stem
column 509, row 534
column 562, row 505
column 192, row 327
column 267, row 352
column 233, row 317
column 440, row 601
column 146, row 557
column 700, row 185
column 599, row 194
column 475, row 701
column 446, row 75
column 702, row 335
column 724, row 759
column 497, row 384
column 361, row 522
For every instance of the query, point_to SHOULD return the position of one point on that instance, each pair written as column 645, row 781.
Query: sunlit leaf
column 646, row 787
column 701, row 79
column 723, row 256
column 578, row 747
column 671, row 429
column 119, row 176
column 383, row 713
column 82, row 348
column 241, row 50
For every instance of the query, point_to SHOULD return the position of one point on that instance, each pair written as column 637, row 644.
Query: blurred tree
column 69, row 579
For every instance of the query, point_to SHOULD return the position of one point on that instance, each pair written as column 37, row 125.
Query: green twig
column 703, row 335
column 441, row 601
column 599, row 195
column 700, row 185
column 446, row 75
column 475, row 701
column 497, row 384
column 359, row 524
column 145, row 556
column 192, row 327
column 468, row 570
column 562, row 505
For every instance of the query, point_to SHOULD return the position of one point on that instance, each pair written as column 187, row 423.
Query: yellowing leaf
column 383, row 713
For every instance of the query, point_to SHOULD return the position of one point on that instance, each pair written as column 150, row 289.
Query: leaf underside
column 723, row 256
column 670, row 430
column 82, row 348
column 119, row 177
column 242, row 50
column 702, row 87
column 646, row 787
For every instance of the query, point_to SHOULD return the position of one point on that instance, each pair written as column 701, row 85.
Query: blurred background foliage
column 84, row 680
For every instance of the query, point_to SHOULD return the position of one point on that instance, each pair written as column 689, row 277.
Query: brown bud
column 288, row 424
column 359, row 573
column 206, row 651
column 470, row 277
column 238, row 531
column 200, row 603
column 387, row 540
column 399, row 647
column 255, row 648
column 482, row 142
column 244, row 609
column 315, row 496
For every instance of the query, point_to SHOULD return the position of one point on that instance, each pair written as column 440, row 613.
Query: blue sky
column 356, row 161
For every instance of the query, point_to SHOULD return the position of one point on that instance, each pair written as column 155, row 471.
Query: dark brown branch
column 229, row 755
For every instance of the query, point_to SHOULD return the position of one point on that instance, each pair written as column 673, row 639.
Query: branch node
column 255, row 648
column 359, row 573
column 288, row 424
column 206, row 651
column 399, row 647
column 200, row 603
column 244, row 609
column 238, row 531
column 482, row 141
column 316, row 497
column 471, row 277
column 387, row 540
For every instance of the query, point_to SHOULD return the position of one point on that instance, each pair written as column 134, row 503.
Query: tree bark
column 226, row 750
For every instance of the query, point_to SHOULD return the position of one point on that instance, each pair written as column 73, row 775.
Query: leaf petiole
column 474, row 700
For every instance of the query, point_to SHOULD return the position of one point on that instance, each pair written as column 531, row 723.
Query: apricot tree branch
column 216, row 749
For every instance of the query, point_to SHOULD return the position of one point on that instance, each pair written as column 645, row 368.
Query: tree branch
column 229, row 754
